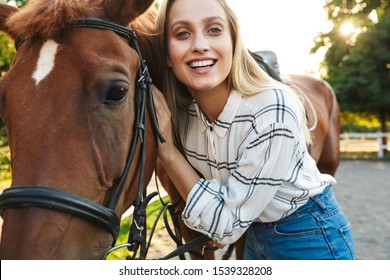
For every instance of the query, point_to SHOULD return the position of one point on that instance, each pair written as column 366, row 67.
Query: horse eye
column 116, row 94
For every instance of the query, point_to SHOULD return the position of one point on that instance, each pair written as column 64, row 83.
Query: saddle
column 271, row 59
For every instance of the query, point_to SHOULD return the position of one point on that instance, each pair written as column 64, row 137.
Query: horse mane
column 146, row 23
column 46, row 18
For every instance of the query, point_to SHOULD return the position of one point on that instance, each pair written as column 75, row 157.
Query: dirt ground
column 363, row 190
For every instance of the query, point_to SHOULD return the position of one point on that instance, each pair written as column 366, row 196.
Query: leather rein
column 105, row 216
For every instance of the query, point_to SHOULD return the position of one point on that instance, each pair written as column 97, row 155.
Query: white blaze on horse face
column 46, row 60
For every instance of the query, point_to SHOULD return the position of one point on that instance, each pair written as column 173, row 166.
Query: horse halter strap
column 41, row 196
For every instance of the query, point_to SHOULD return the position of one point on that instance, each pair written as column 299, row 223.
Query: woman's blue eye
column 182, row 34
column 215, row 30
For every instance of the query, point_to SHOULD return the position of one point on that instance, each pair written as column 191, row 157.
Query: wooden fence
column 373, row 141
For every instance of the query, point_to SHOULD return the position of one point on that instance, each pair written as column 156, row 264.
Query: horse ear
column 125, row 11
column 5, row 12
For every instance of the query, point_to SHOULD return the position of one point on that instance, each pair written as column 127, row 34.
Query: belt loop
column 320, row 199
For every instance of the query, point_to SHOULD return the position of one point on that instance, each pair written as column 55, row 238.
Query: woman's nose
column 200, row 44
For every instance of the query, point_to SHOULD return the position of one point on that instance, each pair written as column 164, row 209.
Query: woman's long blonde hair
column 245, row 76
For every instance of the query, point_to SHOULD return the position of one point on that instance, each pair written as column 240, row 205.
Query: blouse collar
column 225, row 119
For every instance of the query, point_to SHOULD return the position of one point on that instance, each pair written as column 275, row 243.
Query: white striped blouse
column 254, row 161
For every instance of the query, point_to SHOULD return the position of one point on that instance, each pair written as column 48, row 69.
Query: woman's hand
column 214, row 243
column 164, row 122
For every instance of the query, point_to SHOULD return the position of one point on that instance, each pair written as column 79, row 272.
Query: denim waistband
column 324, row 202
column 323, row 199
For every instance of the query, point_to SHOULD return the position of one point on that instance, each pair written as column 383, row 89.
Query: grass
column 152, row 214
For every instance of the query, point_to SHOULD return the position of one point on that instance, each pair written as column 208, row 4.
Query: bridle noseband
column 46, row 197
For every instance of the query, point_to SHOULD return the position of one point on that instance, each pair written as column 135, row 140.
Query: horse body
column 323, row 115
column 68, row 103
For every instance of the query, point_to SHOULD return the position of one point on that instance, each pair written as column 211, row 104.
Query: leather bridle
column 103, row 215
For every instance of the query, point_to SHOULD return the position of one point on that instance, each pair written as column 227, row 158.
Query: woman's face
column 200, row 48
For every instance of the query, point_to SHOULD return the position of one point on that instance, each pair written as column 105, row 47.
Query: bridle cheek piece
column 105, row 216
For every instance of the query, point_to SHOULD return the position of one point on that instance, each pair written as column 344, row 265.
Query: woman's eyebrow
column 208, row 19
column 205, row 20
column 179, row 22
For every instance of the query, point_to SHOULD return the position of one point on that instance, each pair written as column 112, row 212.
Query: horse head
column 71, row 106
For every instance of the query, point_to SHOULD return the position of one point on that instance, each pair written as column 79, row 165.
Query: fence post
column 380, row 146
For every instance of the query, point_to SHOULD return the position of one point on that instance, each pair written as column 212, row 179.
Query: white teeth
column 199, row 64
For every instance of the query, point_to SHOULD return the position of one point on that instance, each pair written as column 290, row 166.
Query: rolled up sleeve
column 224, row 212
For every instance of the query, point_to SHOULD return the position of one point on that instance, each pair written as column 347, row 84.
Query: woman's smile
column 201, row 64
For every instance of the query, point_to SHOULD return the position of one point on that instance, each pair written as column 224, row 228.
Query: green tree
column 363, row 82
column 357, row 61
column 7, row 50
column 361, row 15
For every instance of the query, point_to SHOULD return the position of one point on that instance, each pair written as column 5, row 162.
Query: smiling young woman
column 246, row 134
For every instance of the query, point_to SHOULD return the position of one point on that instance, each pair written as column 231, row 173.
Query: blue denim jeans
column 318, row 230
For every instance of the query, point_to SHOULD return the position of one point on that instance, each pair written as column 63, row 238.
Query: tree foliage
column 7, row 50
column 364, row 78
column 362, row 14
column 7, row 53
column 357, row 63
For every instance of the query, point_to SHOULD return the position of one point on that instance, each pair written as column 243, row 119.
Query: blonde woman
column 246, row 134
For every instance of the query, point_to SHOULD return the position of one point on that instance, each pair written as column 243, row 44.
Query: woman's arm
column 225, row 211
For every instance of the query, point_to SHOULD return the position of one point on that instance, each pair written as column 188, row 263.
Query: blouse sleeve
column 224, row 212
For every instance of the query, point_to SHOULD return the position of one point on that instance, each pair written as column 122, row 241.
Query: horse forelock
column 45, row 18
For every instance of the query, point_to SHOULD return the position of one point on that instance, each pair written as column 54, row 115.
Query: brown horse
column 74, row 110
